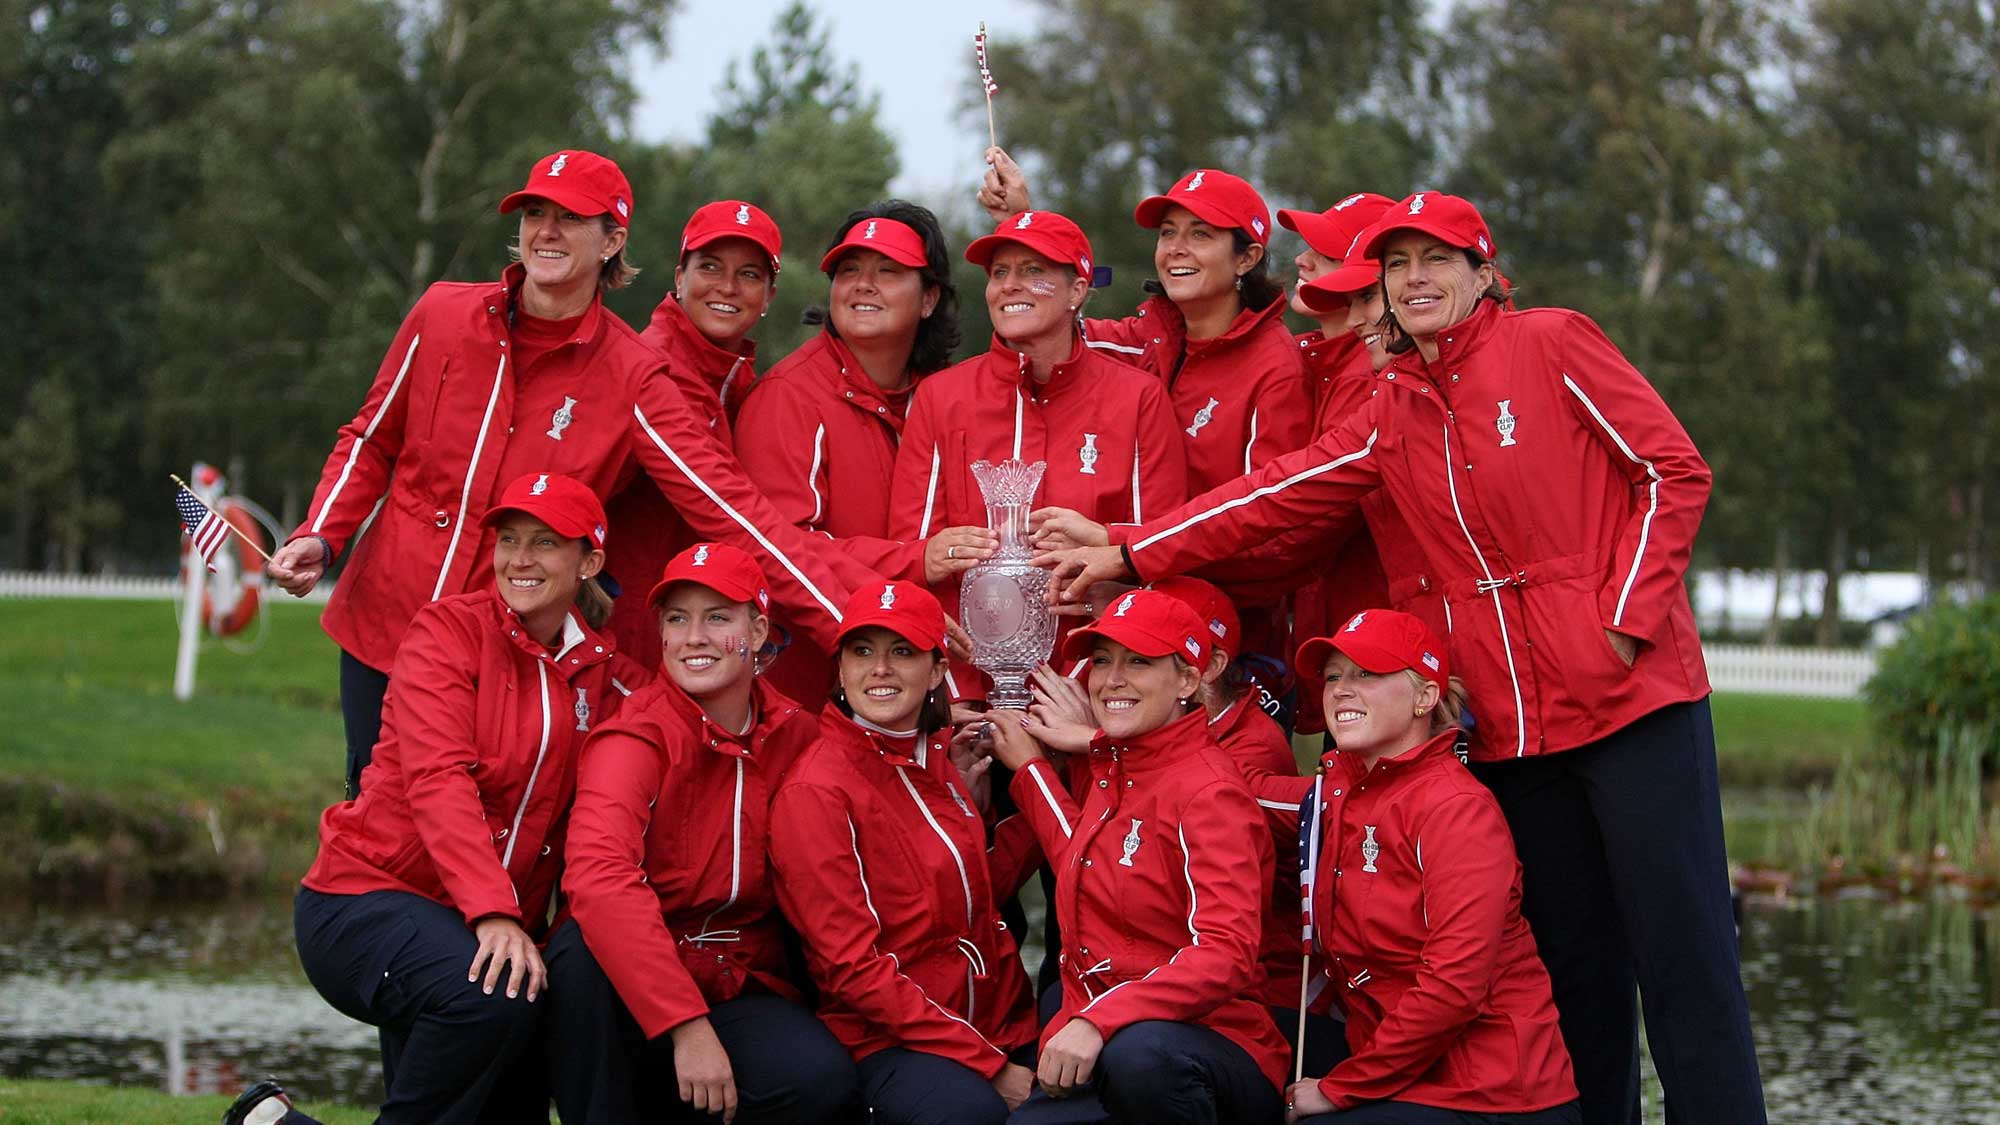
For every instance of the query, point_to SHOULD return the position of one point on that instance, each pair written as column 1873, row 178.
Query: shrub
column 1939, row 686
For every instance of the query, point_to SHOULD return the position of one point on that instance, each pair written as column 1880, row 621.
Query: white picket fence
column 131, row 588
column 1817, row 672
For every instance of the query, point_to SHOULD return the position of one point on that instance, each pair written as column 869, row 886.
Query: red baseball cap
column 566, row 504
column 1380, row 640
column 1051, row 235
column 899, row 241
column 1334, row 288
column 729, row 571
column 584, row 182
column 1331, row 232
column 1210, row 605
column 1150, row 623
column 732, row 218
column 1216, row 198
column 904, row 608
column 1446, row 217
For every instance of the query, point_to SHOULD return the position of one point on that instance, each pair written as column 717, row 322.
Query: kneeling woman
column 421, row 914
column 669, row 985
column 1448, row 1010
column 1162, row 881
column 882, row 865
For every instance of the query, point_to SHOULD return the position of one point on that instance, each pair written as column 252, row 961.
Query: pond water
column 1864, row 1010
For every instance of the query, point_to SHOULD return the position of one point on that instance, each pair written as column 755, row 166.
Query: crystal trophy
column 1003, row 601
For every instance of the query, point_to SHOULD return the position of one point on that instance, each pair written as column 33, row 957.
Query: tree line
column 1785, row 213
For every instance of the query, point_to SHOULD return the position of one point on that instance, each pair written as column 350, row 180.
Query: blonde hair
column 1450, row 709
column 617, row 271
column 593, row 602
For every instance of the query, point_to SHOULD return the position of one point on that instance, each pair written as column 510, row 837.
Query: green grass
column 102, row 768
column 69, row 1103
column 1780, row 741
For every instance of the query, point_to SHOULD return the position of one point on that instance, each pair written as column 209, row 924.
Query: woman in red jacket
column 1162, row 882
column 1556, row 498
column 422, row 912
column 1104, row 429
column 670, row 981
column 818, row 434
column 1417, row 906
column 723, row 285
column 882, row 865
column 486, row 381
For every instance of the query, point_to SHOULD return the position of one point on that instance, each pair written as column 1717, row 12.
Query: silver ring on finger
column 951, row 552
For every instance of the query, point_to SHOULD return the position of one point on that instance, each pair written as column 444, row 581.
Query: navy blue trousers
column 1161, row 1072
column 905, row 1087
column 398, row 961
column 1626, row 885
column 361, row 692
column 1410, row 1113
column 604, row 1071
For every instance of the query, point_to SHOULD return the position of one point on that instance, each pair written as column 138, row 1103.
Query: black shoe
column 252, row 1098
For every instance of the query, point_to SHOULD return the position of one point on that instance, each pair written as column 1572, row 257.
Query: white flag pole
column 194, row 578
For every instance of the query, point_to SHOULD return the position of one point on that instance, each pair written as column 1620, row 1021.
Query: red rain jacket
column 819, row 438
column 1104, row 428
column 667, row 874
column 1417, row 906
column 882, row 867
column 1555, row 496
column 649, row 530
column 1260, row 749
column 1162, row 885
column 465, row 799
column 449, row 422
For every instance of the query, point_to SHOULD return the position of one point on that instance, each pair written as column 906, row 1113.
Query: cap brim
column 1435, row 230
column 1335, row 288
column 727, row 589
column 890, row 622
column 710, row 238
column 554, row 522
column 912, row 259
column 559, row 196
column 1319, row 232
column 1078, row 644
column 1152, row 211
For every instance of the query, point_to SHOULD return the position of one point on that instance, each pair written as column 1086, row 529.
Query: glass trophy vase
column 1003, row 601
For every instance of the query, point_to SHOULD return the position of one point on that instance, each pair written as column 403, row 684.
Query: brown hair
column 1450, row 709
column 593, row 602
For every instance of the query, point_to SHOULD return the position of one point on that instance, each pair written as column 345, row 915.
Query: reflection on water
column 1863, row 1010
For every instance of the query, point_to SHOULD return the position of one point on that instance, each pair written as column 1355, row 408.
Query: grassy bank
column 107, row 782
column 70, row 1103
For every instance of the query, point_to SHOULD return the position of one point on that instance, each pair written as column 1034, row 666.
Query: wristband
column 1131, row 568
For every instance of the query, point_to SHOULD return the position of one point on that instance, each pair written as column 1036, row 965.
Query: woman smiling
column 1162, row 881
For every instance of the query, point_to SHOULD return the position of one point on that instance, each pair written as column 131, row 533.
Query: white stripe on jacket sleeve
column 354, row 451
column 1258, row 494
column 1652, row 489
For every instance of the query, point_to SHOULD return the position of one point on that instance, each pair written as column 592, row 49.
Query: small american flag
column 985, row 73
column 1309, row 832
column 207, row 529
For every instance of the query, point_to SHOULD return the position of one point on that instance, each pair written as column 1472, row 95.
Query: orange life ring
column 230, row 597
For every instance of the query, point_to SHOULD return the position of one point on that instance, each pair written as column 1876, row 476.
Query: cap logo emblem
column 889, row 596
column 564, row 415
column 763, row 598
column 1257, row 225
column 1349, row 201
column 598, row 534
column 1027, row 218
column 701, row 555
column 1430, row 662
column 743, row 215
column 870, row 232
column 1203, row 417
column 1196, row 182
column 1484, row 246
column 582, row 710
column 1124, row 604
column 562, row 161
column 1417, row 203
column 1354, row 623
column 1088, row 455
column 1193, row 646
column 1216, row 626
column 1082, row 264
column 1369, row 849
column 624, row 211
column 1505, row 423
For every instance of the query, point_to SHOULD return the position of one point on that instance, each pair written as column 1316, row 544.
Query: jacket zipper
column 1493, row 591
column 964, row 881
column 514, row 833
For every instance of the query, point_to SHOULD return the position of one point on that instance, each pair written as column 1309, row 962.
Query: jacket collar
column 579, row 643
column 1010, row 366
column 722, row 369
column 1247, row 322
column 516, row 275
column 1154, row 750
column 924, row 753
column 1426, row 755
column 1455, row 345
column 852, row 385
column 769, row 711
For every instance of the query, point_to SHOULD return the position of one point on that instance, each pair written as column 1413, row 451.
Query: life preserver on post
column 231, row 595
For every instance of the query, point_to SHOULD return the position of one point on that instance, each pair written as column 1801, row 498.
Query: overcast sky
column 917, row 54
